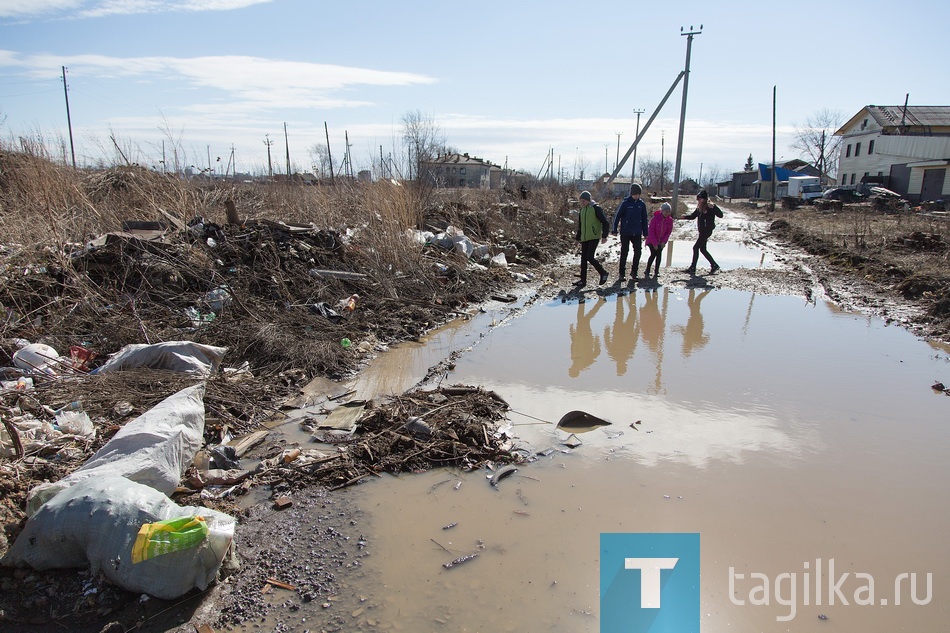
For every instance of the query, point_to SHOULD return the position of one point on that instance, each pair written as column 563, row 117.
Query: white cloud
column 246, row 83
column 27, row 8
column 93, row 9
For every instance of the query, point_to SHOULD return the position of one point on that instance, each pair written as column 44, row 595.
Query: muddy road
column 744, row 406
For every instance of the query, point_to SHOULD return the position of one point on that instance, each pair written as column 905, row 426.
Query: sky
column 505, row 81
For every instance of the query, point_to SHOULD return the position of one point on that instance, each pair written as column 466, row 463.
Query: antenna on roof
column 904, row 113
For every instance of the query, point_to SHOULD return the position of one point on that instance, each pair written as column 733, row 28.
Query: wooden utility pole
column 287, row 149
column 641, row 133
column 633, row 170
column 774, row 179
column 326, row 131
column 679, row 145
column 69, row 121
column 270, row 166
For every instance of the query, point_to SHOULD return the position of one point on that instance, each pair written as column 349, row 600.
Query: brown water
column 781, row 431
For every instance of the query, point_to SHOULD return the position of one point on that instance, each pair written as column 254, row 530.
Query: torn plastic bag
column 224, row 457
column 153, row 449
column 325, row 310
column 184, row 356
column 96, row 522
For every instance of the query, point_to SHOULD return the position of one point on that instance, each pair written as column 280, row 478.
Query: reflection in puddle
column 780, row 430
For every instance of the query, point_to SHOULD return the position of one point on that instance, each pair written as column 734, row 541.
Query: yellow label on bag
column 164, row 537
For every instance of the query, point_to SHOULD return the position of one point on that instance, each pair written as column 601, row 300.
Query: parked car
column 843, row 194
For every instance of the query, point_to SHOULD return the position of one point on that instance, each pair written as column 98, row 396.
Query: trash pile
column 114, row 514
column 279, row 295
column 413, row 432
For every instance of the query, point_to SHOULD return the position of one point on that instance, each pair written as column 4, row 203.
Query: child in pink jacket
column 661, row 225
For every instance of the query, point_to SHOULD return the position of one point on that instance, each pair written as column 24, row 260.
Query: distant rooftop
column 890, row 117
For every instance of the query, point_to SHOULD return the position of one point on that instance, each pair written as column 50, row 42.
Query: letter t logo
column 649, row 578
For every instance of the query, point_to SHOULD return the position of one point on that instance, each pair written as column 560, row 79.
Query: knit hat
column 585, row 195
column 702, row 194
column 635, row 189
column 666, row 207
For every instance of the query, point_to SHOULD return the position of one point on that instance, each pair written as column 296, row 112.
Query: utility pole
column 231, row 164
column 617, row 161
column 287, row 148
column 69, row 122
column 270, row 166
column 633, row 170
column 326, row 131
column 663, row 162
column 679, row 146
column 774, row 179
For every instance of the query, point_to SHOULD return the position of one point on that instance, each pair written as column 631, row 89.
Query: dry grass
column 905, row 254
column 55, row 290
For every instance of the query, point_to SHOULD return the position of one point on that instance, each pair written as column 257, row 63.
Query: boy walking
column 631, row 218
column 592, row 227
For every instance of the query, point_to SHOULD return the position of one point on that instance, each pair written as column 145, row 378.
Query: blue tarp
column 781, row 174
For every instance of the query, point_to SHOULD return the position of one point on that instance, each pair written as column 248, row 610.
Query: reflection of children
column 592, row 227
column 585, row 347
column 652, row 324
column 621, row 338
column 661, row 225
column 693, row 334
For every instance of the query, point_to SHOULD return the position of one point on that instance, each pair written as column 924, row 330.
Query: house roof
column 461, row 159
column 893, row 117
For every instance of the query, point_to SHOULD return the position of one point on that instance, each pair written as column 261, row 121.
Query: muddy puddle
column 796, row 439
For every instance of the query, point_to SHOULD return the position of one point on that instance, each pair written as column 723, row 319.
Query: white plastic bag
column 95, row 523
column 184, row 356
column 153, row 449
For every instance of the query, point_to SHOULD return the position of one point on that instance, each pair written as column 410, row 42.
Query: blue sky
column 504, row 81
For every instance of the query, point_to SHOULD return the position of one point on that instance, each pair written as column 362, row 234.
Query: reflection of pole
column 679, row 145
column 633, row 170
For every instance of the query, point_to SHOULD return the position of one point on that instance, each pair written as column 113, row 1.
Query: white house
column 903, row 148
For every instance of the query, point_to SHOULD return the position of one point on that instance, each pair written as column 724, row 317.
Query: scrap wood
column 243, row 444
column 282, row 585
column 14, row 438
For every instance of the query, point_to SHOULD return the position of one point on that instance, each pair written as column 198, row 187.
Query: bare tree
column 423, row 137
column 654, row 175
column 320, row 155
column 816, row 141
column 714, row 174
